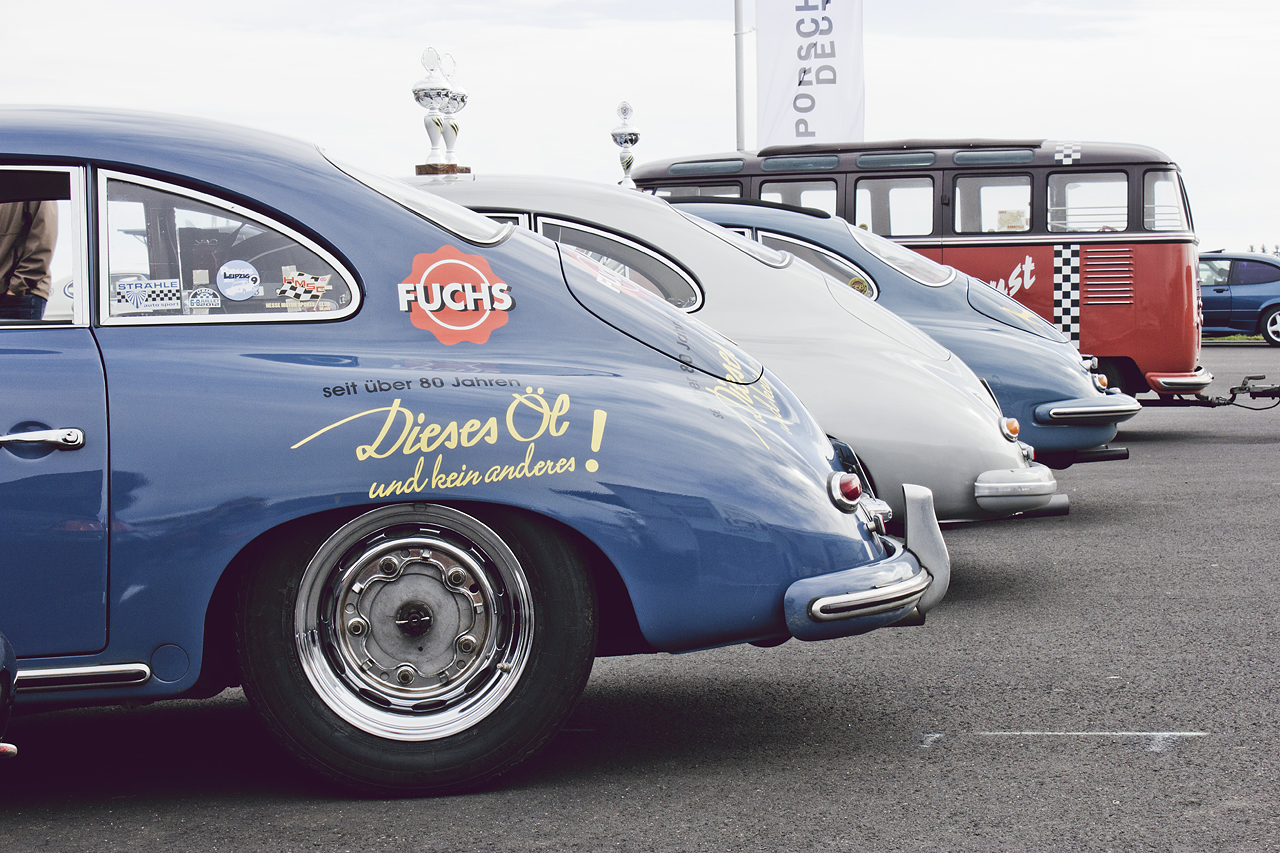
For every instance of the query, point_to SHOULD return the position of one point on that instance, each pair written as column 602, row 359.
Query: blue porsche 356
column 399, row 470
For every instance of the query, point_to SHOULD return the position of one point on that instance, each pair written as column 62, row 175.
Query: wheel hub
column 415, row 619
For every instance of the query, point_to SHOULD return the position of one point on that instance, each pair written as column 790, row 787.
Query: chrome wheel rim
column 1272, row 329
column 414, row 624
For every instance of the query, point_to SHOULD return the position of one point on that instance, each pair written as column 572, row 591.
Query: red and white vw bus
column 1095, row 237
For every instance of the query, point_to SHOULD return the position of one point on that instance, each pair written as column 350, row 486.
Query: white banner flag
column 810, row 85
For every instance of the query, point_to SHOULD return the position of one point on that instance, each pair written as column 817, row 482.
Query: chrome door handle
column 64, row 439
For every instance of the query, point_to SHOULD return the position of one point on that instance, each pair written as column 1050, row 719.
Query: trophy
column 625, row 136
column 452, row 106
column 442, row 100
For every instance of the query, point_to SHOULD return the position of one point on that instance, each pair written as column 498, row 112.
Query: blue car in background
column 399, row 470
column 1241, row 295
column 1066, row 412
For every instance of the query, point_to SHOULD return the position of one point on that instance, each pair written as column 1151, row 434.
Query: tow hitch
column 1255, row 392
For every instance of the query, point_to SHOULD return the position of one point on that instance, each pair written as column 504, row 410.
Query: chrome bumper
column 1180, row 383
column 1108, row 409
column 1015, row 489
column 913, row 578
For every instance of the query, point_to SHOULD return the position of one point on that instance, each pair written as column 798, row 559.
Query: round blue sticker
column 238, row 281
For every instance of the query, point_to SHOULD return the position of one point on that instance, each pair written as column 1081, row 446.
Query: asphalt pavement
column 1102, row 681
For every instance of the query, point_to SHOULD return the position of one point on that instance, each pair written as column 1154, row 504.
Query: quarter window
column 894, row 207
column 1256, row 272
column 993, row 204
column 836, row 267
column 626, row 259
column 1084, row 201
column 174, row 258
column 816, row 194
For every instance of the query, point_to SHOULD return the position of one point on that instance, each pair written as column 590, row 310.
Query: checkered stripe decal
column 1066, row 153
column 165, row 297
column 1066, row 290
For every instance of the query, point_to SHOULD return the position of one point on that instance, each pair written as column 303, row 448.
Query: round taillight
column 1010, row 427
column 845, row 490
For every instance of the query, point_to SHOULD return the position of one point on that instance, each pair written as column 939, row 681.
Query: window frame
column 105, row 318
column 80, row 266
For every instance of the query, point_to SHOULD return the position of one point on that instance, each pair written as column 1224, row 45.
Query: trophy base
column 441, row 169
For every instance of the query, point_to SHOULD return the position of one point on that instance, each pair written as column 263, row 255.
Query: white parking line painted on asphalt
column 1156, row 741
column 930, row 739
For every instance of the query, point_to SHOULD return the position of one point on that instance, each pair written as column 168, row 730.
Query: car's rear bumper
column 911, row 580
column 1180, row 383
column 1015, row 490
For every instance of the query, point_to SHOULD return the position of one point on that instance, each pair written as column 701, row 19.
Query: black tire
column 418, row 650
column 1269, row 327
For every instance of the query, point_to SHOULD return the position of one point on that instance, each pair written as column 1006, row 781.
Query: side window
column 894, row 207
column 1256, row 272
column 993, row 204
column 626, row 259
column 1084, row 201
column 1162, row 208
column 834, row 266
column 1214, row 273
column 171, row 257
column 816, row 194
column 41, row 245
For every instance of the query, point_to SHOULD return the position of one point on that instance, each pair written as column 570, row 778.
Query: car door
column 53, row 424
column 1215, row 291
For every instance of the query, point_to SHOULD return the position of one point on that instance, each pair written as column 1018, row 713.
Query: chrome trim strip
column 869, row 602
column 81, row 677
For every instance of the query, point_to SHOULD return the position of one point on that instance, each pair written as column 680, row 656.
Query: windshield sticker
column 204, row 297
column 239, row 280
column 455, row 296
column 163, row 294
column 531, row 418
column 302, row 286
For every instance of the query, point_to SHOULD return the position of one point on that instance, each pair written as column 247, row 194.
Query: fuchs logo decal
column 455, row 296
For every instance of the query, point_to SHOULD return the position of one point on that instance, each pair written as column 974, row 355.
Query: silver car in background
column 912, row 411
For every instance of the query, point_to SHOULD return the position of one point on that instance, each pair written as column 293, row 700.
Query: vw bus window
column 895, row 207
column 993, row 204
column 687, row 190
column 1162, row 208
column 817, row 194
column 1089, row 201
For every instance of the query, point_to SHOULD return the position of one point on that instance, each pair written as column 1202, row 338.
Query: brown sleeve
column 30, row 275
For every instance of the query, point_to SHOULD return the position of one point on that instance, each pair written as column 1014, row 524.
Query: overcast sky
column 1196, row 80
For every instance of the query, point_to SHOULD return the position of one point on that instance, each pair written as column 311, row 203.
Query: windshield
column 902, row 259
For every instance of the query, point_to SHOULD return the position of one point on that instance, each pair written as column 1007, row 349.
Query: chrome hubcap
column 415, row 631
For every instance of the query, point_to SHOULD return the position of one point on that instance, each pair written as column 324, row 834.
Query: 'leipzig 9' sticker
column 455, row 296
column 239, row 280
